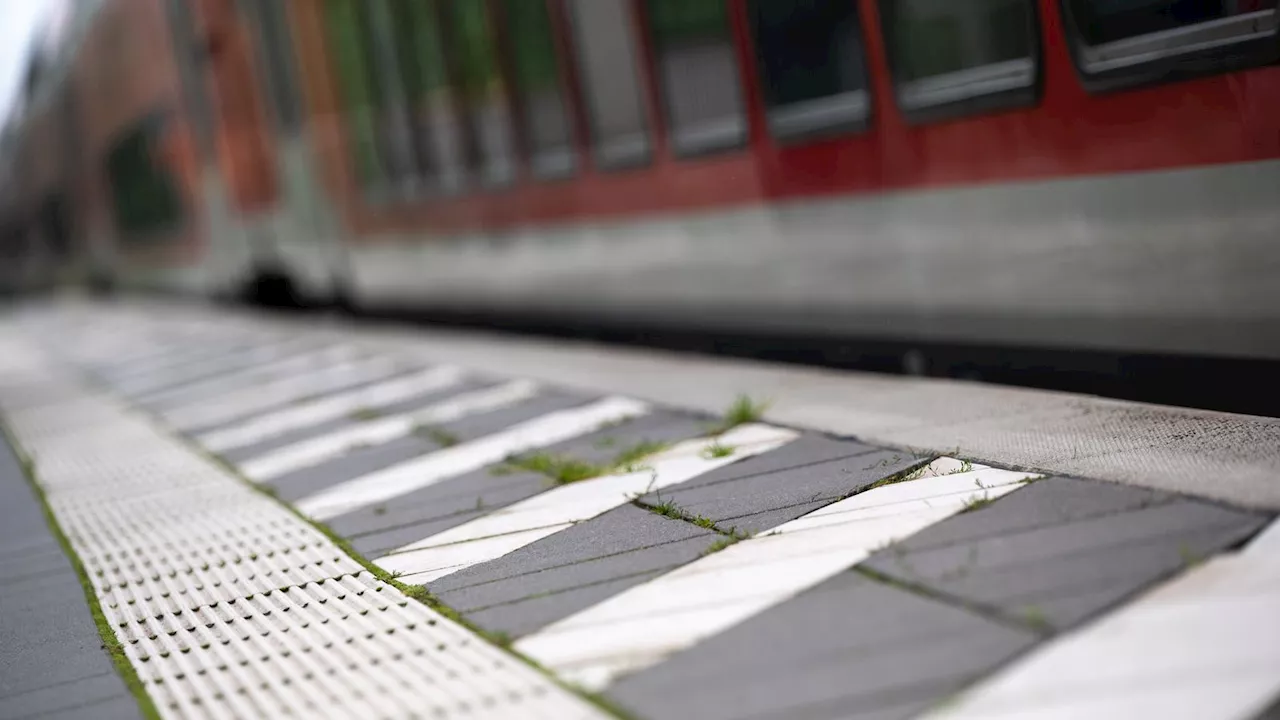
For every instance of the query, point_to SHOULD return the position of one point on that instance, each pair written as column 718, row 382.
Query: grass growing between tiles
column 111, row 644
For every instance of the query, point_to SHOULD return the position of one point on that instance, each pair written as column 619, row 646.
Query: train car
column 1070, row 174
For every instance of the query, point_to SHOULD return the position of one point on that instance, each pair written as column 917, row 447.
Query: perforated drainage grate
column 228, row 605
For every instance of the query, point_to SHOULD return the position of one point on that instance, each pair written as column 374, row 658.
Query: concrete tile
column 284, row 440
column 531, row 614
column 48, row 636
column 572, row 569
column 477, row 426
column 117, row 708
column 757, row 501
column 850, row 645
column 1065, row 573
column 616, row 532
column 483, row 594
column 301, row 483
column 1052, row 501
column 418, row 514
column 67, row 696
column 808, row 449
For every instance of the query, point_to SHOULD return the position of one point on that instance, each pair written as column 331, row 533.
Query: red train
column 1053, row 173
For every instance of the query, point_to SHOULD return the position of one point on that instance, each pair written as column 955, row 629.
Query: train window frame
column 640, row 149
column 842, row 114
column 708, row 138
column 980, row 90
column 555, row 164
column 1167, row 67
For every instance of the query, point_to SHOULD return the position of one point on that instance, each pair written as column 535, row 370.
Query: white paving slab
column 313, row 451
column 1204, row 646
column 642, row 626
column 449, row 462
column 525, row 522
column 333, row 407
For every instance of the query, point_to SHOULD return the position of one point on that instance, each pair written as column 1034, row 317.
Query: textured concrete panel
column 1005, row 557
column 851, row 647
column 301, row 483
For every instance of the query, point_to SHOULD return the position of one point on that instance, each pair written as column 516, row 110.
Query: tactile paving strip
column 227, row 604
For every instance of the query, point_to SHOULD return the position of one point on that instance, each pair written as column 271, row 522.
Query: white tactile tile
column 1204, row 646
column 465, row 457
column 313, row 451
column 227, row 604
column 642, row 626
column 269, row 395
column 333, row 407
column 525, row 522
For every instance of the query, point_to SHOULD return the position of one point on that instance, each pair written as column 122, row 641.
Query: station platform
column 220, row 514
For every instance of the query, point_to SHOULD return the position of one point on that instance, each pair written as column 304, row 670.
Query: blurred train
column 1070, row 174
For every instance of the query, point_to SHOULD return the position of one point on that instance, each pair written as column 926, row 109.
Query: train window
column 483, row 92
column 1125, row 43
column 430, row 104
column 536, row 76
column 354, row 69
column 811, row 67
column 951, row 58
column 275, row 55
column 698, row 67
column 610, row 70
column 144, row 195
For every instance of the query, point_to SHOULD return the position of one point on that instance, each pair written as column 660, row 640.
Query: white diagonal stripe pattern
column 313, row 451
column 528, row 521
column 451, row 461
column 648, row 623
column 273, row 424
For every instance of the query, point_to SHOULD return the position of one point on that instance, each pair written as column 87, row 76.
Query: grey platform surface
column 52, row 663
column 887, row 637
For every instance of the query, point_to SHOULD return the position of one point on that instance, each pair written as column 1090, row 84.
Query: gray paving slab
column 1049, row 502
column 361, row 461
column 573, row 569
column 381, row 528
column 481, row 424
column 47, row 635
column 535, row 612
column 849, row 648
column 73, row 695
column 808, row 449
column 344, row 385
column 248, row 380
column 436, row 508
column 1064, row 573
column 763, row 492
column 119, row 708
column 283, row 440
